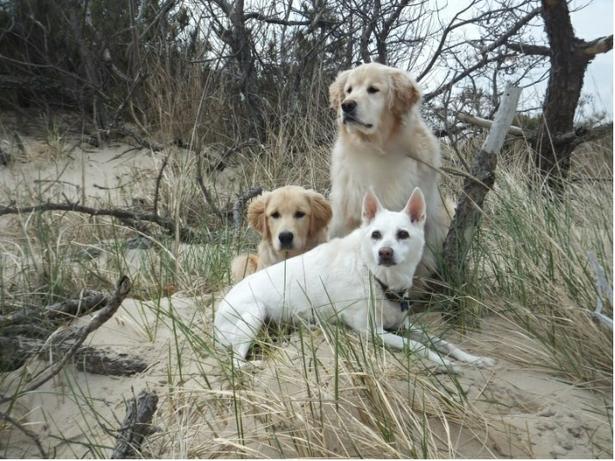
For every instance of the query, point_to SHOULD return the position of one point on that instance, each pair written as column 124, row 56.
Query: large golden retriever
column 384, row 145
column 291, row 221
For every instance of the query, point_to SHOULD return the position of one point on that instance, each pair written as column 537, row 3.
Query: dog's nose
column 349, row 106
column 385, row 256
column 286, row 239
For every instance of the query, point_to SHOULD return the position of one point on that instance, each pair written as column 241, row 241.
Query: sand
column 519, row 408
column 531, row 412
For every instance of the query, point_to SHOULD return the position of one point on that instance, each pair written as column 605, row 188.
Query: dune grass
column 322, row 392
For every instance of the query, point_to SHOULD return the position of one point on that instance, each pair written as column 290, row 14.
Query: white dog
column 359, row 279
column 384, row 145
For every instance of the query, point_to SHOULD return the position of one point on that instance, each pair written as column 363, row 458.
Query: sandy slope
column 517, row 409
column 531, row 412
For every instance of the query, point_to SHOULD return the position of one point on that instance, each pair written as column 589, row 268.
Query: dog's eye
column 299, row 214
column 349, row 90
column 403, row 235
column 376, row 235
column 275, row 215
column 372, row 89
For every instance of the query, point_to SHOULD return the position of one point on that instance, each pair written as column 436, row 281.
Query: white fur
column 332, row 282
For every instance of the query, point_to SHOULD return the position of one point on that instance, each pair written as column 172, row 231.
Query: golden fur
column 383, row 144
column 277, row 212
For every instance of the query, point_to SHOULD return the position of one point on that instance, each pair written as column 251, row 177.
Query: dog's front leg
column 449, row 349
column 398, row 342
column 357, row 323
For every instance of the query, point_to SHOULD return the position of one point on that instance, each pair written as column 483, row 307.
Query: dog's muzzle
column 386, row 257
column 286, row 240
column 347, row 118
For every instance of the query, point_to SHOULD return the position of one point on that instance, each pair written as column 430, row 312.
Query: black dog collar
column 399, row 297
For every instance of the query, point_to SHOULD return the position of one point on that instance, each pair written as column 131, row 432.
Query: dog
column 384, row 144
column 291, row 221
column 336, row 281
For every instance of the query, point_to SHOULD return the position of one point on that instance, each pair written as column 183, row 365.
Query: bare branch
column 598, row 46
column 528, row 49
column 485, row 123
column 168, row 224
column 485, row 54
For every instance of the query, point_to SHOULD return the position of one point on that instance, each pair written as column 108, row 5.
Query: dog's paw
column 484, row 362
column 249, row 365
column 446, row 368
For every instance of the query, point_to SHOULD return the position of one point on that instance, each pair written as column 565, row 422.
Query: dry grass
column 323, row 392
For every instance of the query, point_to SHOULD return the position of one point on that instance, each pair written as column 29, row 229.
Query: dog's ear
column 321, row 212
column 336, row 90
column 415, row 208
column 371, row 207
column 404, row 93
column 256, row 214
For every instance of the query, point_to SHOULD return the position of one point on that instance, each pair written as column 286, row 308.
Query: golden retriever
column 384, row 145
column 291, row 221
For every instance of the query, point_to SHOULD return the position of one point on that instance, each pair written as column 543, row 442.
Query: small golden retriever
column 291, row 221
column 383, row 145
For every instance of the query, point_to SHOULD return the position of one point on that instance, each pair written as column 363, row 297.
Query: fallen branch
column 136, row 425
column 75, row 336
column 119, row 213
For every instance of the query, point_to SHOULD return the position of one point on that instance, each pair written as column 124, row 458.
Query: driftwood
column 136, row 425
column 15, row 350
column 87, row 302
column 74, row 338
column 476, row 186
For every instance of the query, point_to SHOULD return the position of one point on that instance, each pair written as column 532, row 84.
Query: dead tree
column 475, row 187
column 569, row 57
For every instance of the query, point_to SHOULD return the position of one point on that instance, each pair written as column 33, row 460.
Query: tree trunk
column 568, row 66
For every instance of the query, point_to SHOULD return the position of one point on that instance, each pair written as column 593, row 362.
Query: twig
column 136, row 425
column 206, row 194
column 158, row 179
column 240, row 204
column 78, row 335
column 26, row 432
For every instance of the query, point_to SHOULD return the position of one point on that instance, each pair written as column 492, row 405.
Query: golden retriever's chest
column 390, row 177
